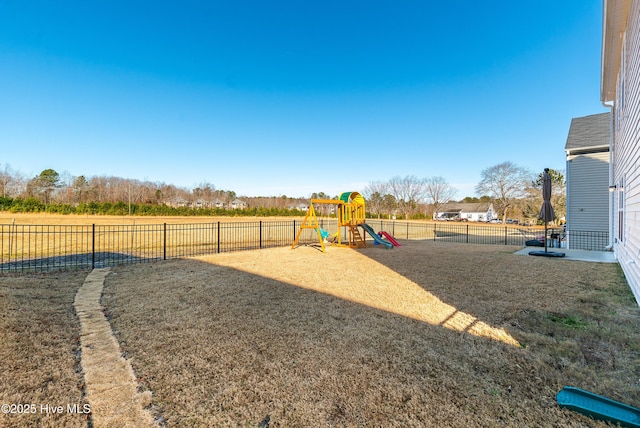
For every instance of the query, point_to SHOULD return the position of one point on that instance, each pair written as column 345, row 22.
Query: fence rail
column 587, row 240
column 36, row 248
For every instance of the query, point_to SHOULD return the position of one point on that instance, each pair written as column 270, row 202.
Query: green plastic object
column 598, row 407
column 344, row 197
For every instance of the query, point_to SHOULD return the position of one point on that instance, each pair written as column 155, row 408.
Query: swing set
column 350, row 215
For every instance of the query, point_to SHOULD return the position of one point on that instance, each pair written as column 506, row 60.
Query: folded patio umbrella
column 546, row 213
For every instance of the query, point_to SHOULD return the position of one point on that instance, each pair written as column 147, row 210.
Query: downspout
column 612, row 212
column 567, row 204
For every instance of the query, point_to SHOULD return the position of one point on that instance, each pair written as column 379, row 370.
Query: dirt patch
column 427, row 334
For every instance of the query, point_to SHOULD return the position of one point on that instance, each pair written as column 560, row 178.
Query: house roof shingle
column 481, row 207
column 588, row 132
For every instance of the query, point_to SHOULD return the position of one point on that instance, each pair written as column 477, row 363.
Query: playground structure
column 350, row 214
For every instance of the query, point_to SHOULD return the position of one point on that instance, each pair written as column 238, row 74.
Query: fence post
column 164, row 242
column 15, row 231
column 467, row 233
column 260, row 234
column 505, row 235
column 435, row 225
column 407, row 230
column 218, row 249
column 93, row 246
column 213, row 235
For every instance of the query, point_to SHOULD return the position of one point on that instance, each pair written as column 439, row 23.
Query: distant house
column 467, row 212
column 201, row 203
column 179, row 202
column 238, row 205
column 587, row 177
column 619, row 90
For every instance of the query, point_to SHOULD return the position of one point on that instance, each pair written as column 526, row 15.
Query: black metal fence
column 35, row 248
column 587, row 240
column 468, row 233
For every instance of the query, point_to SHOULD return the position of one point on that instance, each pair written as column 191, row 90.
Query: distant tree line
column 33, row 205
column 53, row 192
column 514, row 191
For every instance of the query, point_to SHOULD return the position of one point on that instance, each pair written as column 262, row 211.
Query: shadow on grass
column 72, row 262
column 220, row 345
column 490, row 283
column 578, row 319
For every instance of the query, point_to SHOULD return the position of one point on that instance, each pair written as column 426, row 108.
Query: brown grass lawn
column 428, row 334
column 39, row 348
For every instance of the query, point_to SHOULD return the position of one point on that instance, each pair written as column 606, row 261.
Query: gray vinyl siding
column 588, row 192
column 626, row 154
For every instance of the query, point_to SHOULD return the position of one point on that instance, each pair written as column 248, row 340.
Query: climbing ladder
column 355, row 238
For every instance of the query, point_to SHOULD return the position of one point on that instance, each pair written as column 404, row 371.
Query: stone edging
column 110, row 384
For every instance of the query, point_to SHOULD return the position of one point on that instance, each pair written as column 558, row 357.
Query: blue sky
column 294, row 97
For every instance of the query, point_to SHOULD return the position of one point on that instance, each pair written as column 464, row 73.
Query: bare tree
column 374, row 194
column 139, row 191
column 505, row 182
column 438, row 192
column 205, row 190
column 168, row 192
column 408, row 192
column 5, row 179
column 12, row 183
column 98, row 188
column 389, row 204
